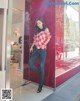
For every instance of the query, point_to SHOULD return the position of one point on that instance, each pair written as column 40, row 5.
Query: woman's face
column 40, row 24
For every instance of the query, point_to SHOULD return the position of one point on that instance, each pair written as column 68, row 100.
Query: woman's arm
column 48, row 36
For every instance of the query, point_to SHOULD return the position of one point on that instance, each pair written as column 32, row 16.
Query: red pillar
column 35, row 10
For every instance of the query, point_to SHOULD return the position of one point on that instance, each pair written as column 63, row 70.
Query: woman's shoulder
column 47, row 30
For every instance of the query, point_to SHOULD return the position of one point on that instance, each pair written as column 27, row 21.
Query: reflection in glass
column 68, row 52
column 71, row 33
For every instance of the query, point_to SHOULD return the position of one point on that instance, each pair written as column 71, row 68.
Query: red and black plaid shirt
column 41, row 38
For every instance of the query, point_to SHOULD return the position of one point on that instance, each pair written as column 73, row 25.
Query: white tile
column 16, row 76
column 28, row 93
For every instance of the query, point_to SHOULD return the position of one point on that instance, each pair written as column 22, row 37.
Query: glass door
column 3, row 21
column 8, row 41
column 15, row 32
column 2, row 69
column 1, row 35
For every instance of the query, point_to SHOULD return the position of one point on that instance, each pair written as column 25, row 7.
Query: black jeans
column 41, row 53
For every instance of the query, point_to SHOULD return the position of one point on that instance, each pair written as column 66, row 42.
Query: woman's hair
column 37, row 29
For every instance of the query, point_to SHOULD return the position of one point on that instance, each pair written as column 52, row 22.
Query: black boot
column 39, row 88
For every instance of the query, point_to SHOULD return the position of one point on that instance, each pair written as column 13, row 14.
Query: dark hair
column 37, row 29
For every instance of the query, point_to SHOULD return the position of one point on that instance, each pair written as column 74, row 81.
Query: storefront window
column 67, row 38
column 71, row 33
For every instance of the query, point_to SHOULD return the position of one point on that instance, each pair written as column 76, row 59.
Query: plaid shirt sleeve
column 48, row 37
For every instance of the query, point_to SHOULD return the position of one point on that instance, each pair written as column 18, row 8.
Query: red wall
column 54, row 18
column 36, row 9
column 62, row 78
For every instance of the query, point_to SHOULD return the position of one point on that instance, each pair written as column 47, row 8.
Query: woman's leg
column 42, row 63
column 32, row 60
column 42, row 54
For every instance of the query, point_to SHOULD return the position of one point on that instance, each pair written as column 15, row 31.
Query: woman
column 41, row 39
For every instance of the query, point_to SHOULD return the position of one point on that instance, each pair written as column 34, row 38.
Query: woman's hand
column 43, row 47
column 31, row 49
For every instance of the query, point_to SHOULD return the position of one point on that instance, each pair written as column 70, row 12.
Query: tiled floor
column 69, row 91
column 28, row 92
column 16, row 76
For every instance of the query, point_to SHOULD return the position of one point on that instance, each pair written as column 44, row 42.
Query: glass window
column 67, row 38
column 71, row 33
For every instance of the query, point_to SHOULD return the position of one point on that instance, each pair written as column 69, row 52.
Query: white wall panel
column 3, row 3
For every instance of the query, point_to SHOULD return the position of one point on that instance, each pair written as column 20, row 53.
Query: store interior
column 16, row 57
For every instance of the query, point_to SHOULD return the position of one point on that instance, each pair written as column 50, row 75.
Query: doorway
column 16, row 54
